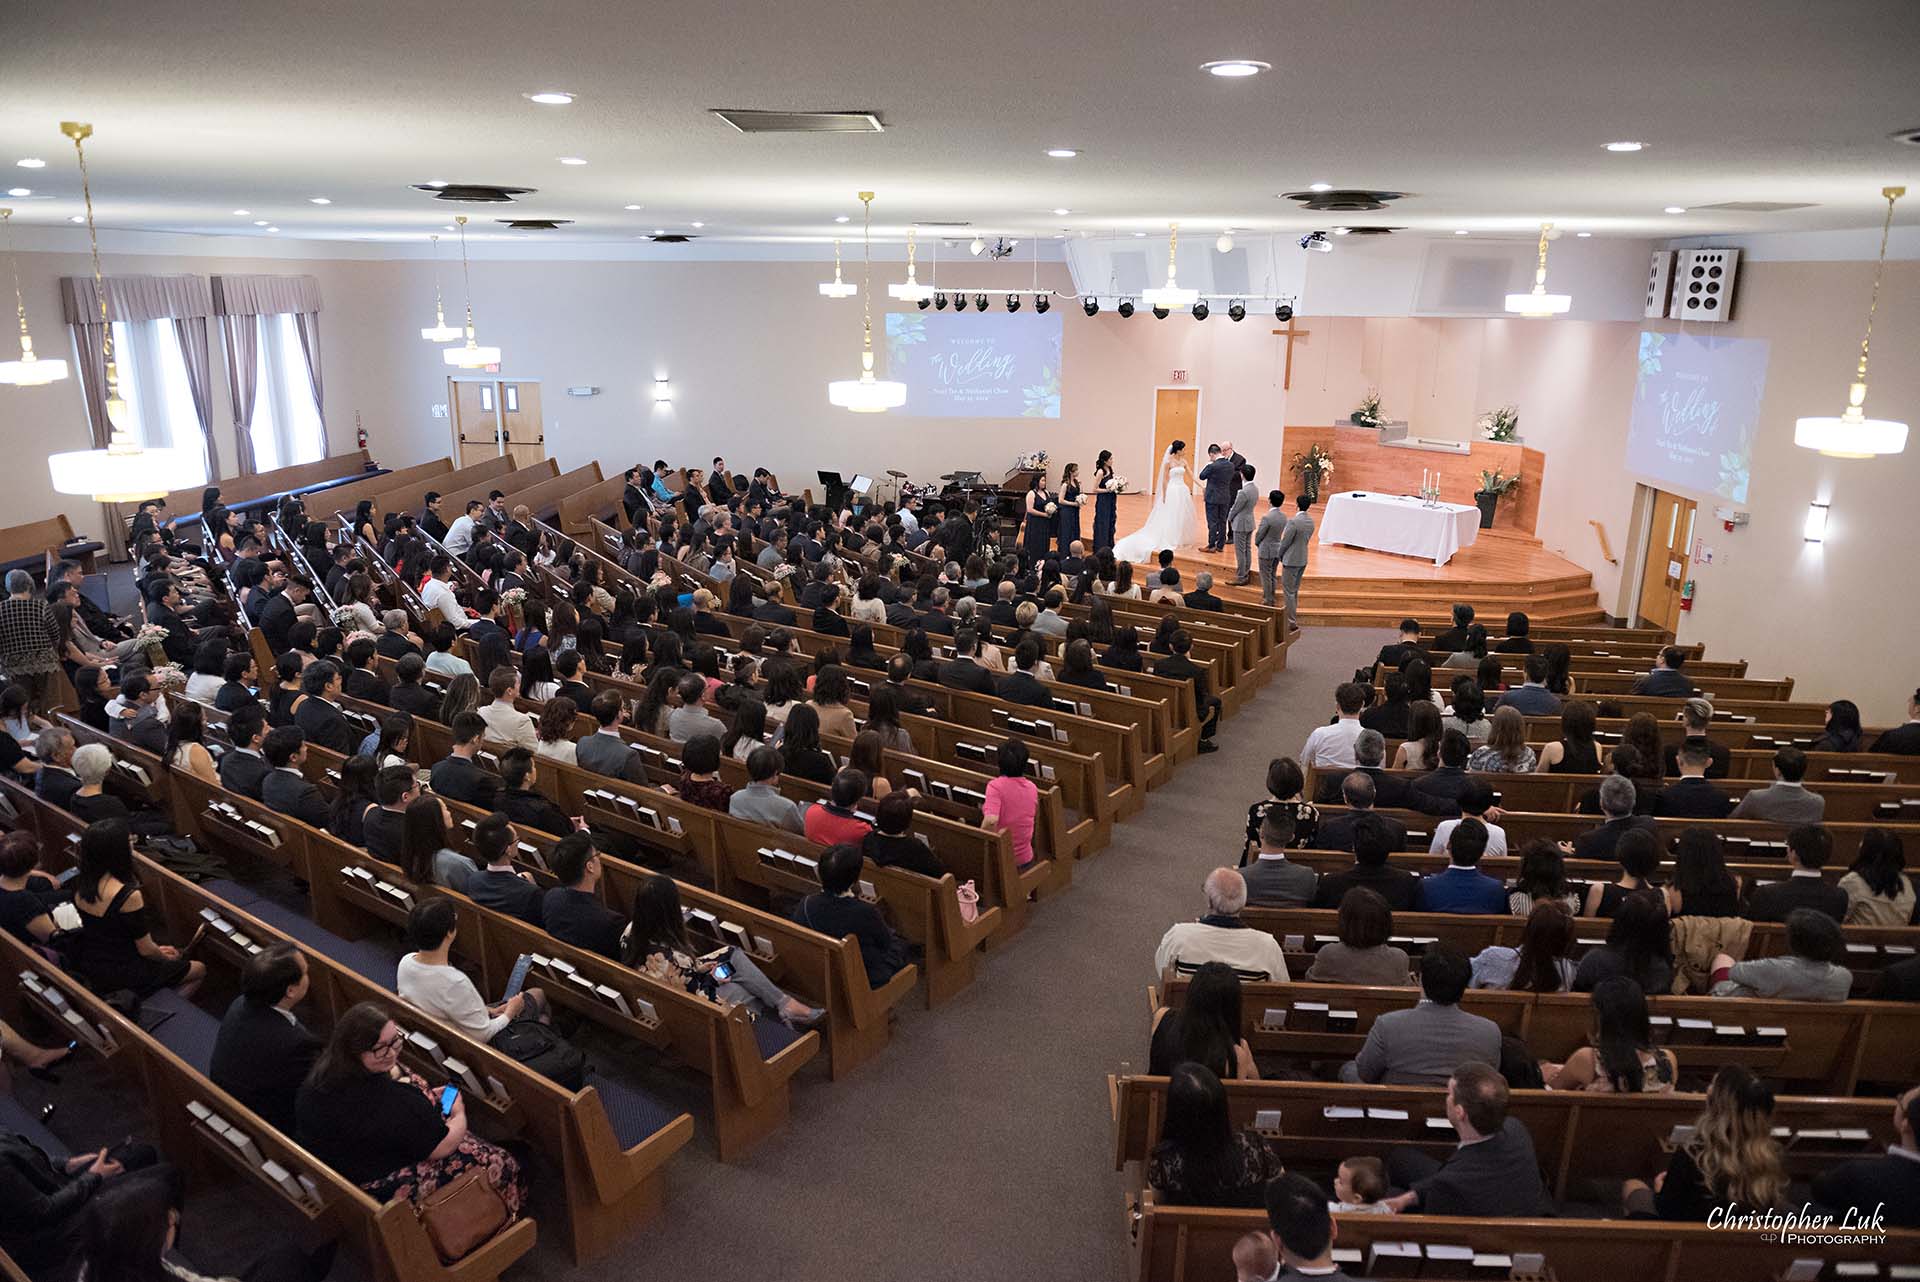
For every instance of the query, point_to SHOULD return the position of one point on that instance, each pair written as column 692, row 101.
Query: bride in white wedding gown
column 1171, row 523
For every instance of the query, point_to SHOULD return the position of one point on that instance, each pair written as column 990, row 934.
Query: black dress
column 1105, row 505
column 108, row 956
column 1068, row 520
column 1576, row 759
column 1039, row 535
column 18, row 907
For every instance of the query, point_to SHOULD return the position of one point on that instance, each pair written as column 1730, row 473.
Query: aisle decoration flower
column 1314, row 467
column 1502, row 424
column 1368, row 414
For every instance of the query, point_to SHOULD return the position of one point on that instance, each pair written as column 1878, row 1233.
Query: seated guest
column 237, row 690
column 761, row 801
column 1506, row 750
column 604, row 751
column 497, row 884
column 382, row 1127
column 1454, row 637
column 1445, row 783
column 54, row 1211
column 92, row 763
column 1733, row 1139
column 1357, row 791
column 1574, row 752
column 1865, row 1184
column 836, row 911
column 1617, row 798
column 1013, row 799
column 800, row 751
column 441, row 660
column 383, row 828
column 1361, row 955
column 1284, row 785
column 1273, row 882
column 1301, row 1227
column 396, row 642
column 409, row 694
column 1517, row 640
column 1077, row 667
column 655, row 942
column 1692, row 797
column 1021, row 685
column 243, row 767
column 1180, row 666
column 135, row 715
column 263, row 1052
column 1493, row 1172
column 833, row 822
column 1390, row 791
column 1696, row 715
column 1620, row 1055
column 1903, row 739
column 1397, row 654
column 1808, row 973
column 964, row 671
column 1542, row 878
column 425, row 857
column 1257, row 1259
column 1200, row 1159
column 523, row 803
column 1472, row 649
column 1330, row 747
column 891, row 845
column 1541, row 964
column 1786, row 800
column 1391, row 716
column 700, row 780
column 457, row 775
column 1461, row 887
column 1221, row 936
column 1425, row 1044
column 1372, row 843
column 1638, row 854
column 114, row 948
column 1637, row 946
column 1666, row 679
column 504, row 722
column 28, row 896
column 1879, row 891
column 285, row 788
column 1474, row 804
column 1467, row 715
column 1808, row 847
column 54, row 782
column 362, row 682
column 1702, row 885
column 428, row 979
column 572, row 911
column 1843, row 732
column 1205, row 1030
column 1533, row 695
column 829, row 699
column 691, row 719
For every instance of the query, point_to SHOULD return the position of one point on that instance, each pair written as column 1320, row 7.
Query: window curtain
column 240, row 301
column 132, row 298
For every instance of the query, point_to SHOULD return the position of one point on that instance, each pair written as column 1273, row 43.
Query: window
column 286, row 423
column 153, row 383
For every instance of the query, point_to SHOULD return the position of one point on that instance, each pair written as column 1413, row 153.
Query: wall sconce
column 1816, row 530
column 662, row 391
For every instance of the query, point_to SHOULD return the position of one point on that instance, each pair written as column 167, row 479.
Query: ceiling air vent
column 535, row 224
column 800, row 122
column 1759, row 206
column 1373, row 231
column 474, row 193
column 1342, row 202
column 671, row 238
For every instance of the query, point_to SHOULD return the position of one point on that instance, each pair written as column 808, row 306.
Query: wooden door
column 1669, row 543
column 474, row 407
column 523, row 434
column 1176, row 417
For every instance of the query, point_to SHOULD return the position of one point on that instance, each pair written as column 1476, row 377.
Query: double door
column 1669, row 552
column 493, row 416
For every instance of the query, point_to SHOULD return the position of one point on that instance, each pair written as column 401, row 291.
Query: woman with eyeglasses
column 383, row 1127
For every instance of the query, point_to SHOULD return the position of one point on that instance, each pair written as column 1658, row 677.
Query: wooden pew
column 1616, row 683
column 238, row 492
column 411, row 496
column 343, row 499
column 600, row 501
column 544, row 496
column 454, row 501
column 1269, row 640
column 27, row 547
column 1631, row 659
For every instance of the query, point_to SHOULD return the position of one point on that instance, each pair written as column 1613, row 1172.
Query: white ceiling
column 1492, row 112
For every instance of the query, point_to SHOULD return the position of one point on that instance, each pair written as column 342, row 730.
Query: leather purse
column 461, row 1216
column 969, row 902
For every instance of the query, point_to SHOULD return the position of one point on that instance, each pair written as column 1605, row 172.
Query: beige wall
column 749, row 347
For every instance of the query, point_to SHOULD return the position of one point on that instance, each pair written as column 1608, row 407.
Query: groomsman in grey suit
column 1240, row 525
column 1293, row 557
column 1266, row 541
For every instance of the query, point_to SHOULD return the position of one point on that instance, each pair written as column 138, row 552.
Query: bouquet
column 1502, row 424
column 343, row 617
column 1052, row 508
column 151, row 636
column 1368, row 414
column 168, row 676
column 513, row 598
column 358, row 635
column 1026, row 462
column 1115, row 484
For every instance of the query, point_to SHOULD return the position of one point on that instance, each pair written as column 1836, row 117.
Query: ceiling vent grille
column 1342, row 202
column 671, row 238
column 535, row 224
column 474, row 193
column 800, row 122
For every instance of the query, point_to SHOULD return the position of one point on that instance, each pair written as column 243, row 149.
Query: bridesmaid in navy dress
column 1105, row 501
column 1069, row 519
column 1039, row 524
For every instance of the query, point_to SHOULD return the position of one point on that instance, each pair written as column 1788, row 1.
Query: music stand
column 834, row 487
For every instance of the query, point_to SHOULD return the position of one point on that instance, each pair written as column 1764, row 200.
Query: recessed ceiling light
column 77, row 218
column 1628, row 145
column 318, row 200
column 1583, row 234
column 447, row 227
column 242, row 213
column 549, row 98
column 437, row 182
column 1061, row 213
column 841, row 218
column 1140, row 234
column 1235, row 68
column 1062, row 153
column 699, row 224
column 31, row 162
column 1676, row 209
column 572, row 160
column 273, row 229
column 659, row 231
column 1342, row 231
column 19, row 191
column 1460, row 231
column 631, row 208
column 1319, row 186
column 259, row 222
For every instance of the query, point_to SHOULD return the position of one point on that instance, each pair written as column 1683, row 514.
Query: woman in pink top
column 1013, row 800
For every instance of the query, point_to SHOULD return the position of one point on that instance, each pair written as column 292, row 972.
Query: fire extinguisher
column 1686, row 596
column 360, row 430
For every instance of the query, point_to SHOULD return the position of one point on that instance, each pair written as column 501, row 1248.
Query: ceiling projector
column 1000, row 248
column 1316, row 242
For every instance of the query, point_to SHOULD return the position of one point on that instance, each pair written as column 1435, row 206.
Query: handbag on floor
column 461, row 1216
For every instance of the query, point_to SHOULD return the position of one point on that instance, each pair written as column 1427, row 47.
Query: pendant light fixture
column 29, row 370
column 1853, row 434
column 1171, row 296
column 866, row 394
column 439, row 331
column 472, row 356
column 123, row 472
column 1538, row 302
column 837, row 288
column 912, row 291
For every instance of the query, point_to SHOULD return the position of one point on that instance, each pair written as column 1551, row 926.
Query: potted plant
column 1502, row 424
column 1313, row 466
column 1368, row 414
column 1494, row 486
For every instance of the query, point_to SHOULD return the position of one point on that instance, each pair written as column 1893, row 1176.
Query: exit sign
column 1179, row 376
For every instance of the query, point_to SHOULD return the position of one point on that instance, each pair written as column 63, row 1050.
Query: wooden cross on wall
column 1292, row 334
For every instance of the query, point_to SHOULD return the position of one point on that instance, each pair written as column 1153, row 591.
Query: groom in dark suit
column 1222, row 477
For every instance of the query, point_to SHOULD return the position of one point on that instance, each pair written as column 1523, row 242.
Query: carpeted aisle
column 978, row 1145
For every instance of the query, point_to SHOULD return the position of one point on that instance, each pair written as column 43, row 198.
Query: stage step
column 1490, row 607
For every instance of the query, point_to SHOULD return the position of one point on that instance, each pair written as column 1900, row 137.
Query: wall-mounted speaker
column 1703, row 284
column 1659, row 282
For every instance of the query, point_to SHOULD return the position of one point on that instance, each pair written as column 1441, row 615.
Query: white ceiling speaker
column 1659, row 283
column 1703, row 284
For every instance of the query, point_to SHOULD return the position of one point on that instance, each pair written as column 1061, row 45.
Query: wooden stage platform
column 1504, row 570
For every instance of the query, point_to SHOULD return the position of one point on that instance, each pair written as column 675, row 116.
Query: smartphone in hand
column 449, row 1096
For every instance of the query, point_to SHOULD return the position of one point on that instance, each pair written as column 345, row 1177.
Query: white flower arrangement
column 1027, row 462
column 1116, row 484
column 1052, row 508
column 358, row 635
column 168, row 676
column 149, row 636
column 513, row 598
column 343, row 616
column 1499, row 425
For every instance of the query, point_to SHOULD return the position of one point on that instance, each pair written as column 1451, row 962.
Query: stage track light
column 1201, row 311
column 1126, row 308
column 1013, row 302
column 1091, row 307
column 1160, row 313
column 979, row 302
column 922, row 303
column 1041, row 303
column 940, row 302
column 1283, row 313
column 1236, row 311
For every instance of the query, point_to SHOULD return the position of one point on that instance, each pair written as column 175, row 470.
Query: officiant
column 1222, row 478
